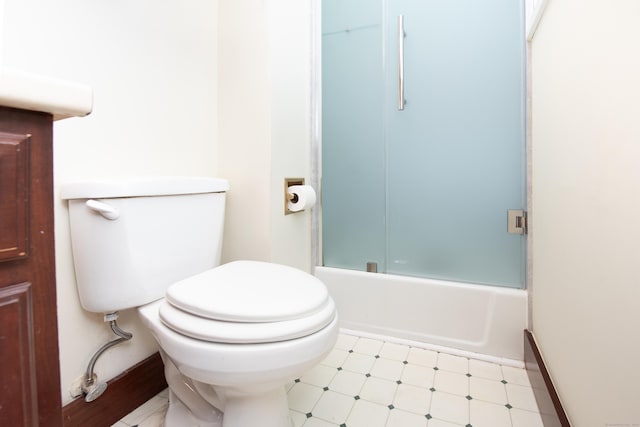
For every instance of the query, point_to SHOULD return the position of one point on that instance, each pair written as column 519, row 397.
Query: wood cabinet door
column 18, row 397
column 14, row 195
column 29, row 365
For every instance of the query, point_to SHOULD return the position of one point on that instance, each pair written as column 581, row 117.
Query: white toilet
column 230, row 336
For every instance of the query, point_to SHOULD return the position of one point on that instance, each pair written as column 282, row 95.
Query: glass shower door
column 428, row 182
column 353, row 148
column 455, row 154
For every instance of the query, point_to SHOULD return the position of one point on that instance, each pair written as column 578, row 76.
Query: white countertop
column 63, row 99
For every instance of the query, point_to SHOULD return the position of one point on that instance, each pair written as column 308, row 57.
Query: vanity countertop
column 63, row 99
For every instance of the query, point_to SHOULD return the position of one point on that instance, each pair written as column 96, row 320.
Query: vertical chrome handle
column 400, row 62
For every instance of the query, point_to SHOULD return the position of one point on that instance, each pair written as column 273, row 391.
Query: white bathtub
column 477, row 321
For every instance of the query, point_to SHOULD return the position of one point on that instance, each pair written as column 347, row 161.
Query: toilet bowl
column 231, row 336
column 247, row 347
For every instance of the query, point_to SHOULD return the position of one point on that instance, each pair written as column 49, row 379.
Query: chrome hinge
column 517, row 221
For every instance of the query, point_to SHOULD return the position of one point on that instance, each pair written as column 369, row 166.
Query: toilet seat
column 250, row 291
column 243, row 332
column 248, row 302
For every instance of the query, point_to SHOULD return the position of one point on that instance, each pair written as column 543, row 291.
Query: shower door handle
column 401, row 62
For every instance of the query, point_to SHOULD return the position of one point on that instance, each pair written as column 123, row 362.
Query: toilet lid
column 242, row 332
column 250, row 291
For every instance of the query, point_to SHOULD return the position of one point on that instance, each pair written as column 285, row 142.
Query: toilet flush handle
column 107, row 211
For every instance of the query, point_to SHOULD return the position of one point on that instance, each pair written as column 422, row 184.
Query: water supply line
column 91, row 386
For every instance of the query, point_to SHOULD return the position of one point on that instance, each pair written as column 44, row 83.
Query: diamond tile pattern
column 371, row 383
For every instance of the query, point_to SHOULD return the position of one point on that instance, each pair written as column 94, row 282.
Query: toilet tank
column 132, row 238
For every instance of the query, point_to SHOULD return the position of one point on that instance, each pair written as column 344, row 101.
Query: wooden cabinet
column 29, row 365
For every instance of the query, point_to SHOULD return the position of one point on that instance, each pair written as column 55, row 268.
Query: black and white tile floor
column 370, row 383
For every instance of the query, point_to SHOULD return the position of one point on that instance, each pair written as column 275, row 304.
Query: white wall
column 192, row 88
column 586, row 205
column 152, row 66
column 290, row 70
column 245, row 143
column 1, row 30
column 264, row 117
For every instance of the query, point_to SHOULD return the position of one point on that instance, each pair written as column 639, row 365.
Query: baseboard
column 551, row 409
column 124, row 394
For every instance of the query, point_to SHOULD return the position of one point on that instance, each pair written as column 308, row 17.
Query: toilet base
column 269, row 409
column 233, row 385
column 178, row 415
column 187, row 406
column 195, row 404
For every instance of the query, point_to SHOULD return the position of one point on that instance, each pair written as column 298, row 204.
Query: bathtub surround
column 466, row 318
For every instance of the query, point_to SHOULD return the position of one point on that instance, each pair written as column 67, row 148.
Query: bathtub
column 476, row 321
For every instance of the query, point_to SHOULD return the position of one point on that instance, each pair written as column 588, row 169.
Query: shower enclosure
column 423, row 138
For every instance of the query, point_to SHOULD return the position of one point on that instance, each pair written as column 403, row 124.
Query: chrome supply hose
column 91, row 386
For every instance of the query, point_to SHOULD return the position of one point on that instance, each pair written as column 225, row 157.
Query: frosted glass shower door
column 353, row 148
column 424, row 191
column 456, row 152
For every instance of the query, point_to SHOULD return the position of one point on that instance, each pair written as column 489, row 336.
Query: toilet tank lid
column 141, row 187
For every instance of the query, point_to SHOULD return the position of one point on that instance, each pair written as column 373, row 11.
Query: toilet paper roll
column 304, row 197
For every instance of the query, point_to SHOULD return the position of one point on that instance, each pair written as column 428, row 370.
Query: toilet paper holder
column 288, row 182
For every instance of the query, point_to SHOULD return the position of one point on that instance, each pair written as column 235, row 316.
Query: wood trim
column 546, row 396
column 124, row 393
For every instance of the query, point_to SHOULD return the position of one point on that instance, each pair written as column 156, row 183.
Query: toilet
column 231, row 336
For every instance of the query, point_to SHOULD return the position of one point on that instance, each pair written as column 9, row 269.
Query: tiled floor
column 370, row 383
